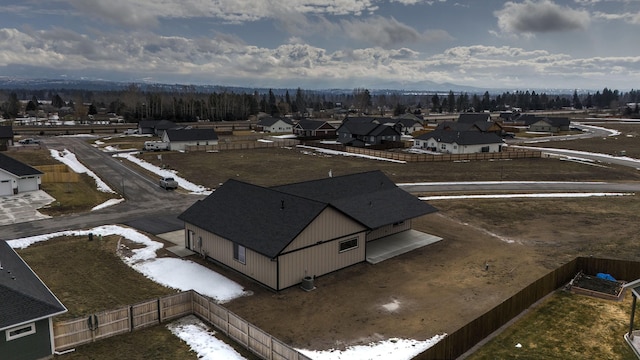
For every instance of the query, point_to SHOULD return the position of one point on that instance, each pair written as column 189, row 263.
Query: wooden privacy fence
column 463, row 339
column 244, row 145
column 401, row 156
column 72, row 333
column 59, row 173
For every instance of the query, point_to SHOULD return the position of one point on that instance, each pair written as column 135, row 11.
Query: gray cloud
column 540, row 17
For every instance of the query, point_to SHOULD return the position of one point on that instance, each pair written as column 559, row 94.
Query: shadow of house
column 28, row 307
column 278, row 236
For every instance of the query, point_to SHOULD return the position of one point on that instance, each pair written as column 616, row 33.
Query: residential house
column 472, row 118
column 314, row 128
column 275, row 125
column 482, row 126
column 459, row 142
column 550, row 124
column 28, row 306
column 278, row 236
column 17, row 177
column 406, row 124
column 361, row 134
column 179, row 139
column 155, row 127
column 6, row 137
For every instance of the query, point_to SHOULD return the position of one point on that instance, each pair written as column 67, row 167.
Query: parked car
column 28, row 141
column 168, row 183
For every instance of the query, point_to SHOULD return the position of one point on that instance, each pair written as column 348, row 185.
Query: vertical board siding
column 330, row 224
column 257, row 266
column 176, row 306
column 319, row 260
column 388, row 230
column 259, row 342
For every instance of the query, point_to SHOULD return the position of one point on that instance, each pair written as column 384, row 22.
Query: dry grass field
column 443, row 286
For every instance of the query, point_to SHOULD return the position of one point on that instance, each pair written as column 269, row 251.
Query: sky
column 324, row 44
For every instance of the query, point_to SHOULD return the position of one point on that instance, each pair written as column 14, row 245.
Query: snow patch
column 68, row 158
column 392, row 306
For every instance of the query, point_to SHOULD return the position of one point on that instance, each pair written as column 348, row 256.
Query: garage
column 13, row 171
column 29, row 183
column 5, row 188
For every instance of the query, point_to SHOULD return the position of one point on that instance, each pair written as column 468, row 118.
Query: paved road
column 153, row 209
column 144, row 198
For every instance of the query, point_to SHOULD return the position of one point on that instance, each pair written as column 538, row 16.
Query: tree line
column 188, row 104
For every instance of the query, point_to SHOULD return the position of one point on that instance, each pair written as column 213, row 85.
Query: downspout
column 633, row 312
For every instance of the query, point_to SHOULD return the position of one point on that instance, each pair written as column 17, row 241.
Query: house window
column 398, row 223
column 348, row 244
column 239, row 253
column 485, row 149
column 21, row 331
column 443, row 146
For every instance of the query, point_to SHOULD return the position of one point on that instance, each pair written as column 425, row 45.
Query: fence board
column 175, row 306
column 113, row 322
column 69, row 334
column 259, row 342
column 238, row 329
column 144, row 314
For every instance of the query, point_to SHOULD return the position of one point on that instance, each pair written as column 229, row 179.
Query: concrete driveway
column 23, row 207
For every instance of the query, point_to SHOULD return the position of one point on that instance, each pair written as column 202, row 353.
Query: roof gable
column 307, row 124
column 270, row 121
column 16, row 167
column 262, row 219
column 24, row 296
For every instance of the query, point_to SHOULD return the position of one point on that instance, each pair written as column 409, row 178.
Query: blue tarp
column 605, row 276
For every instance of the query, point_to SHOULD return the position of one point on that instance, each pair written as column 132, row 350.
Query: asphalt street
column 153, row 209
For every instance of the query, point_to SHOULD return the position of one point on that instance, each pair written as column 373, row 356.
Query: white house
column 459, row 142
column 275, row 125
column 17, row 177
column 179, row 139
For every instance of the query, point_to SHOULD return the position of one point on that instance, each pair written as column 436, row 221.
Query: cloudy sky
column 319, row 44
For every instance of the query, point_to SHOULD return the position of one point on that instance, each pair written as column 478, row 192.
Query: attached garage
column 17, row 177
column 28, row 183
column 5, row 187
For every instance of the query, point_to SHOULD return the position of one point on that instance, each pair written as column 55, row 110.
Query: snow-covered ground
column 185, row 275
column 183, row 183
column 68, row 158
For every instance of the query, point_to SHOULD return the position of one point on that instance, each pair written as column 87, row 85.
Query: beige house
column 278, row 236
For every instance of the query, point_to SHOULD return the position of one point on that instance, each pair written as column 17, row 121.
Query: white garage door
column 5, row 188
column 28, row 184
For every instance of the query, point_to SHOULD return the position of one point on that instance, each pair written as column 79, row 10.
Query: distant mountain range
column 417, row 88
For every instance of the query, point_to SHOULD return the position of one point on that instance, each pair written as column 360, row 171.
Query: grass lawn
column 88, row 277
column 565, row 326
column 70, row 198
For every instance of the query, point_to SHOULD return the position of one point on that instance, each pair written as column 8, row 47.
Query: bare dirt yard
column 438, row 288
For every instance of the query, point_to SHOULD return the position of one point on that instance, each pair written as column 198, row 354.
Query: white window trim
column 26, row 333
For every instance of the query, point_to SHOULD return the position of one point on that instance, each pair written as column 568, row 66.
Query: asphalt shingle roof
column 473, row 117
column 462, row 137
column 23, row 296
column 16, row 167
column 255, row 217
column 191, row 134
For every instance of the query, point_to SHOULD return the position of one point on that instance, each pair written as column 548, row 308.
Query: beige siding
column 256, row 265
column 330, row 224
column 319, row 260
column 389, row 230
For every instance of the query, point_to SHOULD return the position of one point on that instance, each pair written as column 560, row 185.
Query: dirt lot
column 443, row 286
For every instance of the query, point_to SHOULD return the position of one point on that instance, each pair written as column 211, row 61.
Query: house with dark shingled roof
column 17, row 177
column 26, row 311
column 179, row 139
column 277, row 236
column 459, row 142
